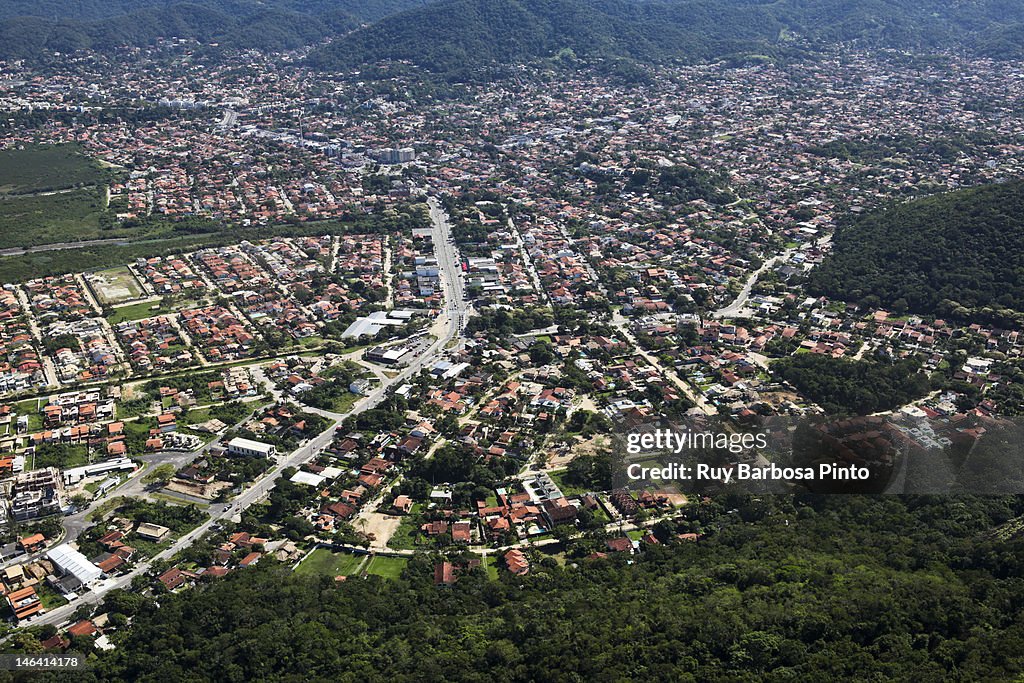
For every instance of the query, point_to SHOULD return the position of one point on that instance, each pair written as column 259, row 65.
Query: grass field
column 156, row 238
column 50, row 598
column 330, row 563
column 31, row 408
column 387, row 567
column 135, row 312
column 45, row 168
column 60, row 455
column 105, row 508
column 344, row 403
column 491, row 567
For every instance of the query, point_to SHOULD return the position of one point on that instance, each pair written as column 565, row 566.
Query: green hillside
column 952, row 254
column 450, row 35
column 30, row 29
column 467, row 34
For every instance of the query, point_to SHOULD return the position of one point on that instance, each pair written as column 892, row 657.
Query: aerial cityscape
column 586, row 340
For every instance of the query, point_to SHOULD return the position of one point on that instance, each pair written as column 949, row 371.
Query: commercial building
column 247, row 447
column 377, row 321
column 77, row 474
column 391, row 355
column 74, row 564
column 390, row 155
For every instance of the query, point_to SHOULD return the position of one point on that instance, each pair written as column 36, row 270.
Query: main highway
column 453, row 317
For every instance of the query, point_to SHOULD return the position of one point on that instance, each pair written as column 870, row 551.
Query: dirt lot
column 206, row 491
column 779, row 398
column 382, row 527
column 588, row 447
column 677, row 499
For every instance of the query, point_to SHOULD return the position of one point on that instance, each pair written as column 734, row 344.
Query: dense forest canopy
column 28, row 29
column 952, row 254
column 780, row 588
column 459, row 35
column 849, row 387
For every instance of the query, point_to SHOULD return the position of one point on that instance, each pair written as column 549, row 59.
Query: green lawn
column 387, row 567
column 135, row 312
column 491, row 567
column 330, row 563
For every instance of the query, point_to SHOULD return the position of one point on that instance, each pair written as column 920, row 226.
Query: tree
column 160, row 475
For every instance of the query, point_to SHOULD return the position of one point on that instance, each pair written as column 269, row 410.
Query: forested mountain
column 88, row 10
column 29, row 29
column 783, row 588
column 459, row 34
column 450, row 35
column 952, row 254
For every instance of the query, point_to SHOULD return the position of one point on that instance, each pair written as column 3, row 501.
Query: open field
column 387, row 567
column 330, row 563
column 491, row 567
column 116, row 285
column 28, row 266
column 155, row 238
column 138, row 311
column 49, row 219
column 47, row 168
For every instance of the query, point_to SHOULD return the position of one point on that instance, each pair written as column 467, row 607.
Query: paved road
column 531, row 268
column 449, row 266
column 622, row 325
column 75, row 524
column 454, row 313
column 19, row 251
column 735, row 309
